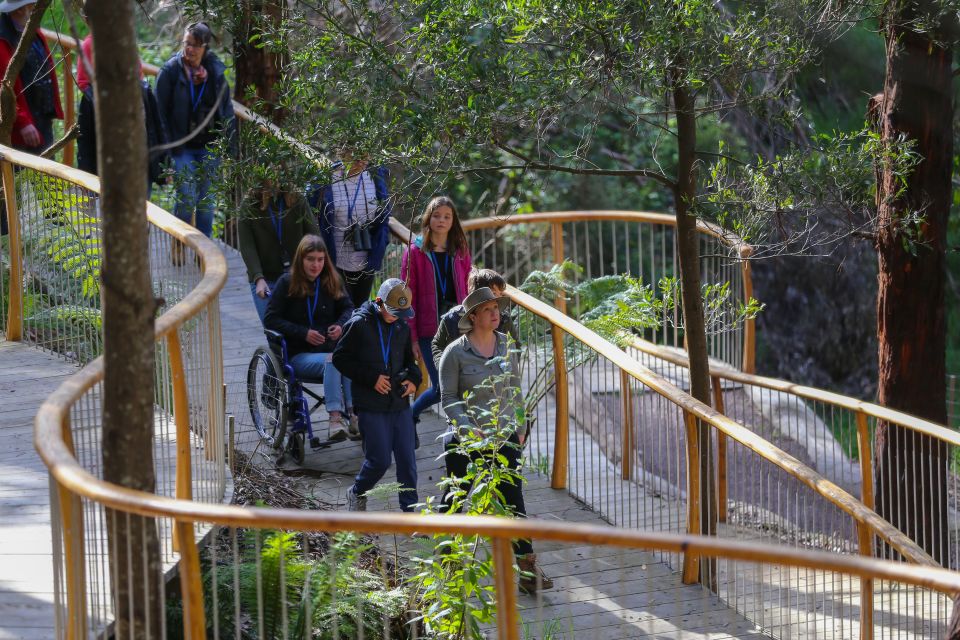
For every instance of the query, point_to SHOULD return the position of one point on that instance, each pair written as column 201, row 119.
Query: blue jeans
column 431, row 396
column 336, row 388
column 195, row 170
column 261, row 303
column 386, row 434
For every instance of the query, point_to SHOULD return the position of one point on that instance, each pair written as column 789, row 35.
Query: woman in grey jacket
column 480, row 362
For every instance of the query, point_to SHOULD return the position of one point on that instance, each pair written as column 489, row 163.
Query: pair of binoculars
column 359, row 235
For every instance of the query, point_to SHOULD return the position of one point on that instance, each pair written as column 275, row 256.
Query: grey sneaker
column 355, row 502
column 353, row 427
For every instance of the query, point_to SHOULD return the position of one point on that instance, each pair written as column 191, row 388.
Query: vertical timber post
column 15, row 299
column 626, row 398
column 561, row 448
column 721, row 452
column 691, row 562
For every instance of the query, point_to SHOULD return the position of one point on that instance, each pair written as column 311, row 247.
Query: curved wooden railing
column 637, row 243
column 836, row 450
column 571, row 350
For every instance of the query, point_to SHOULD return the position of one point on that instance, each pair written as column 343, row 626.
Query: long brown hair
column 329, row 277
column 456, row 239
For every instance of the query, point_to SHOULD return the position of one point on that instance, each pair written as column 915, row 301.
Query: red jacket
column 416, row 270
column 24, row 117
column 83, row 80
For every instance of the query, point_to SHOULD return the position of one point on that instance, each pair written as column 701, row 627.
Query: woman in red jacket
column 38, row 95
column 435, row 267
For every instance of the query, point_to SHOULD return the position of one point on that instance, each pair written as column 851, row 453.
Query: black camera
column 359, row 235
column 396, row 384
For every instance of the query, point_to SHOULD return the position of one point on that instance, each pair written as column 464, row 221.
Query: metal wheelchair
column 278, row 401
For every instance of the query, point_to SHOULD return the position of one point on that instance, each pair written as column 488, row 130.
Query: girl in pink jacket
column 435, row 267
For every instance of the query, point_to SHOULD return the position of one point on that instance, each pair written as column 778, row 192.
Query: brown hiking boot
column 532, row 578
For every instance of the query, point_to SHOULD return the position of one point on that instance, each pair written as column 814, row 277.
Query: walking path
column 27, row 377
column 599, row 593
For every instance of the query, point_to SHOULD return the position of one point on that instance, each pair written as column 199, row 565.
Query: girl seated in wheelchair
column 309, row 306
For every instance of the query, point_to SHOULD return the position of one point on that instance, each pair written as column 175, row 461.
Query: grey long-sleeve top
column 462, row 369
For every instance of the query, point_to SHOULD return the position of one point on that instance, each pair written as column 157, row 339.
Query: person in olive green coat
column 270, row 227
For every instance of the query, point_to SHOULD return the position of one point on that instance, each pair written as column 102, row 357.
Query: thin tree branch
column 536, row 165
column 62, row 142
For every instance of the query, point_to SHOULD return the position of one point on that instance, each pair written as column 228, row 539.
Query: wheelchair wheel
column 297, row 450
column 266, row 397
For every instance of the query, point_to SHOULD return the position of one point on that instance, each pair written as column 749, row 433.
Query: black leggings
column 359, row 285
column 512, row 492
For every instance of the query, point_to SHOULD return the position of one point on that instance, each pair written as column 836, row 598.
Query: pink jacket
column 416, row 270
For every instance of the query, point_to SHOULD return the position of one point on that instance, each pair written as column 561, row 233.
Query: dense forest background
column 819, row 323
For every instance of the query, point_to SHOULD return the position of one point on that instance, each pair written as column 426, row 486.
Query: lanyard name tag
column 277, row 220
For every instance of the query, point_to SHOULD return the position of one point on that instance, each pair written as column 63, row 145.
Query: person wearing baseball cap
column 376, row 353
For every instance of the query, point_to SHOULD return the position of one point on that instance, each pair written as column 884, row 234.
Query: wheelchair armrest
column 277, row 343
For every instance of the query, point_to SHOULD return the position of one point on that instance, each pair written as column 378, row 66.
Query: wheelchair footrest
column 316, row 443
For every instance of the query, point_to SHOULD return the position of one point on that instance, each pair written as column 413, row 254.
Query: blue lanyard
column 441, row 275
column 195, row 100
column 385, row 348
column 312, row 306
column 277, row 219
column 353, row 203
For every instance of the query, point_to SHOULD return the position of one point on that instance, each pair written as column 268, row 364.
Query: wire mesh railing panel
column 514, row 250
column 821, row 435
column 61, row 255
column 725, row 334
column 916, row 487
column 538, row 381
column 644, row 250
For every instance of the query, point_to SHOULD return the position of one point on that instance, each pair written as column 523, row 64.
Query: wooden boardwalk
column 599, row 593
column 27, row 377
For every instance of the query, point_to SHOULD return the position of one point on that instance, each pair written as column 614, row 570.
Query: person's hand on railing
column 31, row 136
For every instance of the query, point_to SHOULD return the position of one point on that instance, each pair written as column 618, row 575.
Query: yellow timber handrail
column 738, row 249
column 649, row 217
column 837, row 496
column 871, row 409
column 73, row 481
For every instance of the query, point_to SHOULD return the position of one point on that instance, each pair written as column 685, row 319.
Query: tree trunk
column 128, row 313
column 694, row 331
column 917, row 105
column 256, row 66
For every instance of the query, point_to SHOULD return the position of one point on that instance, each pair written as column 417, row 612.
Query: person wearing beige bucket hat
column 479, row 376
